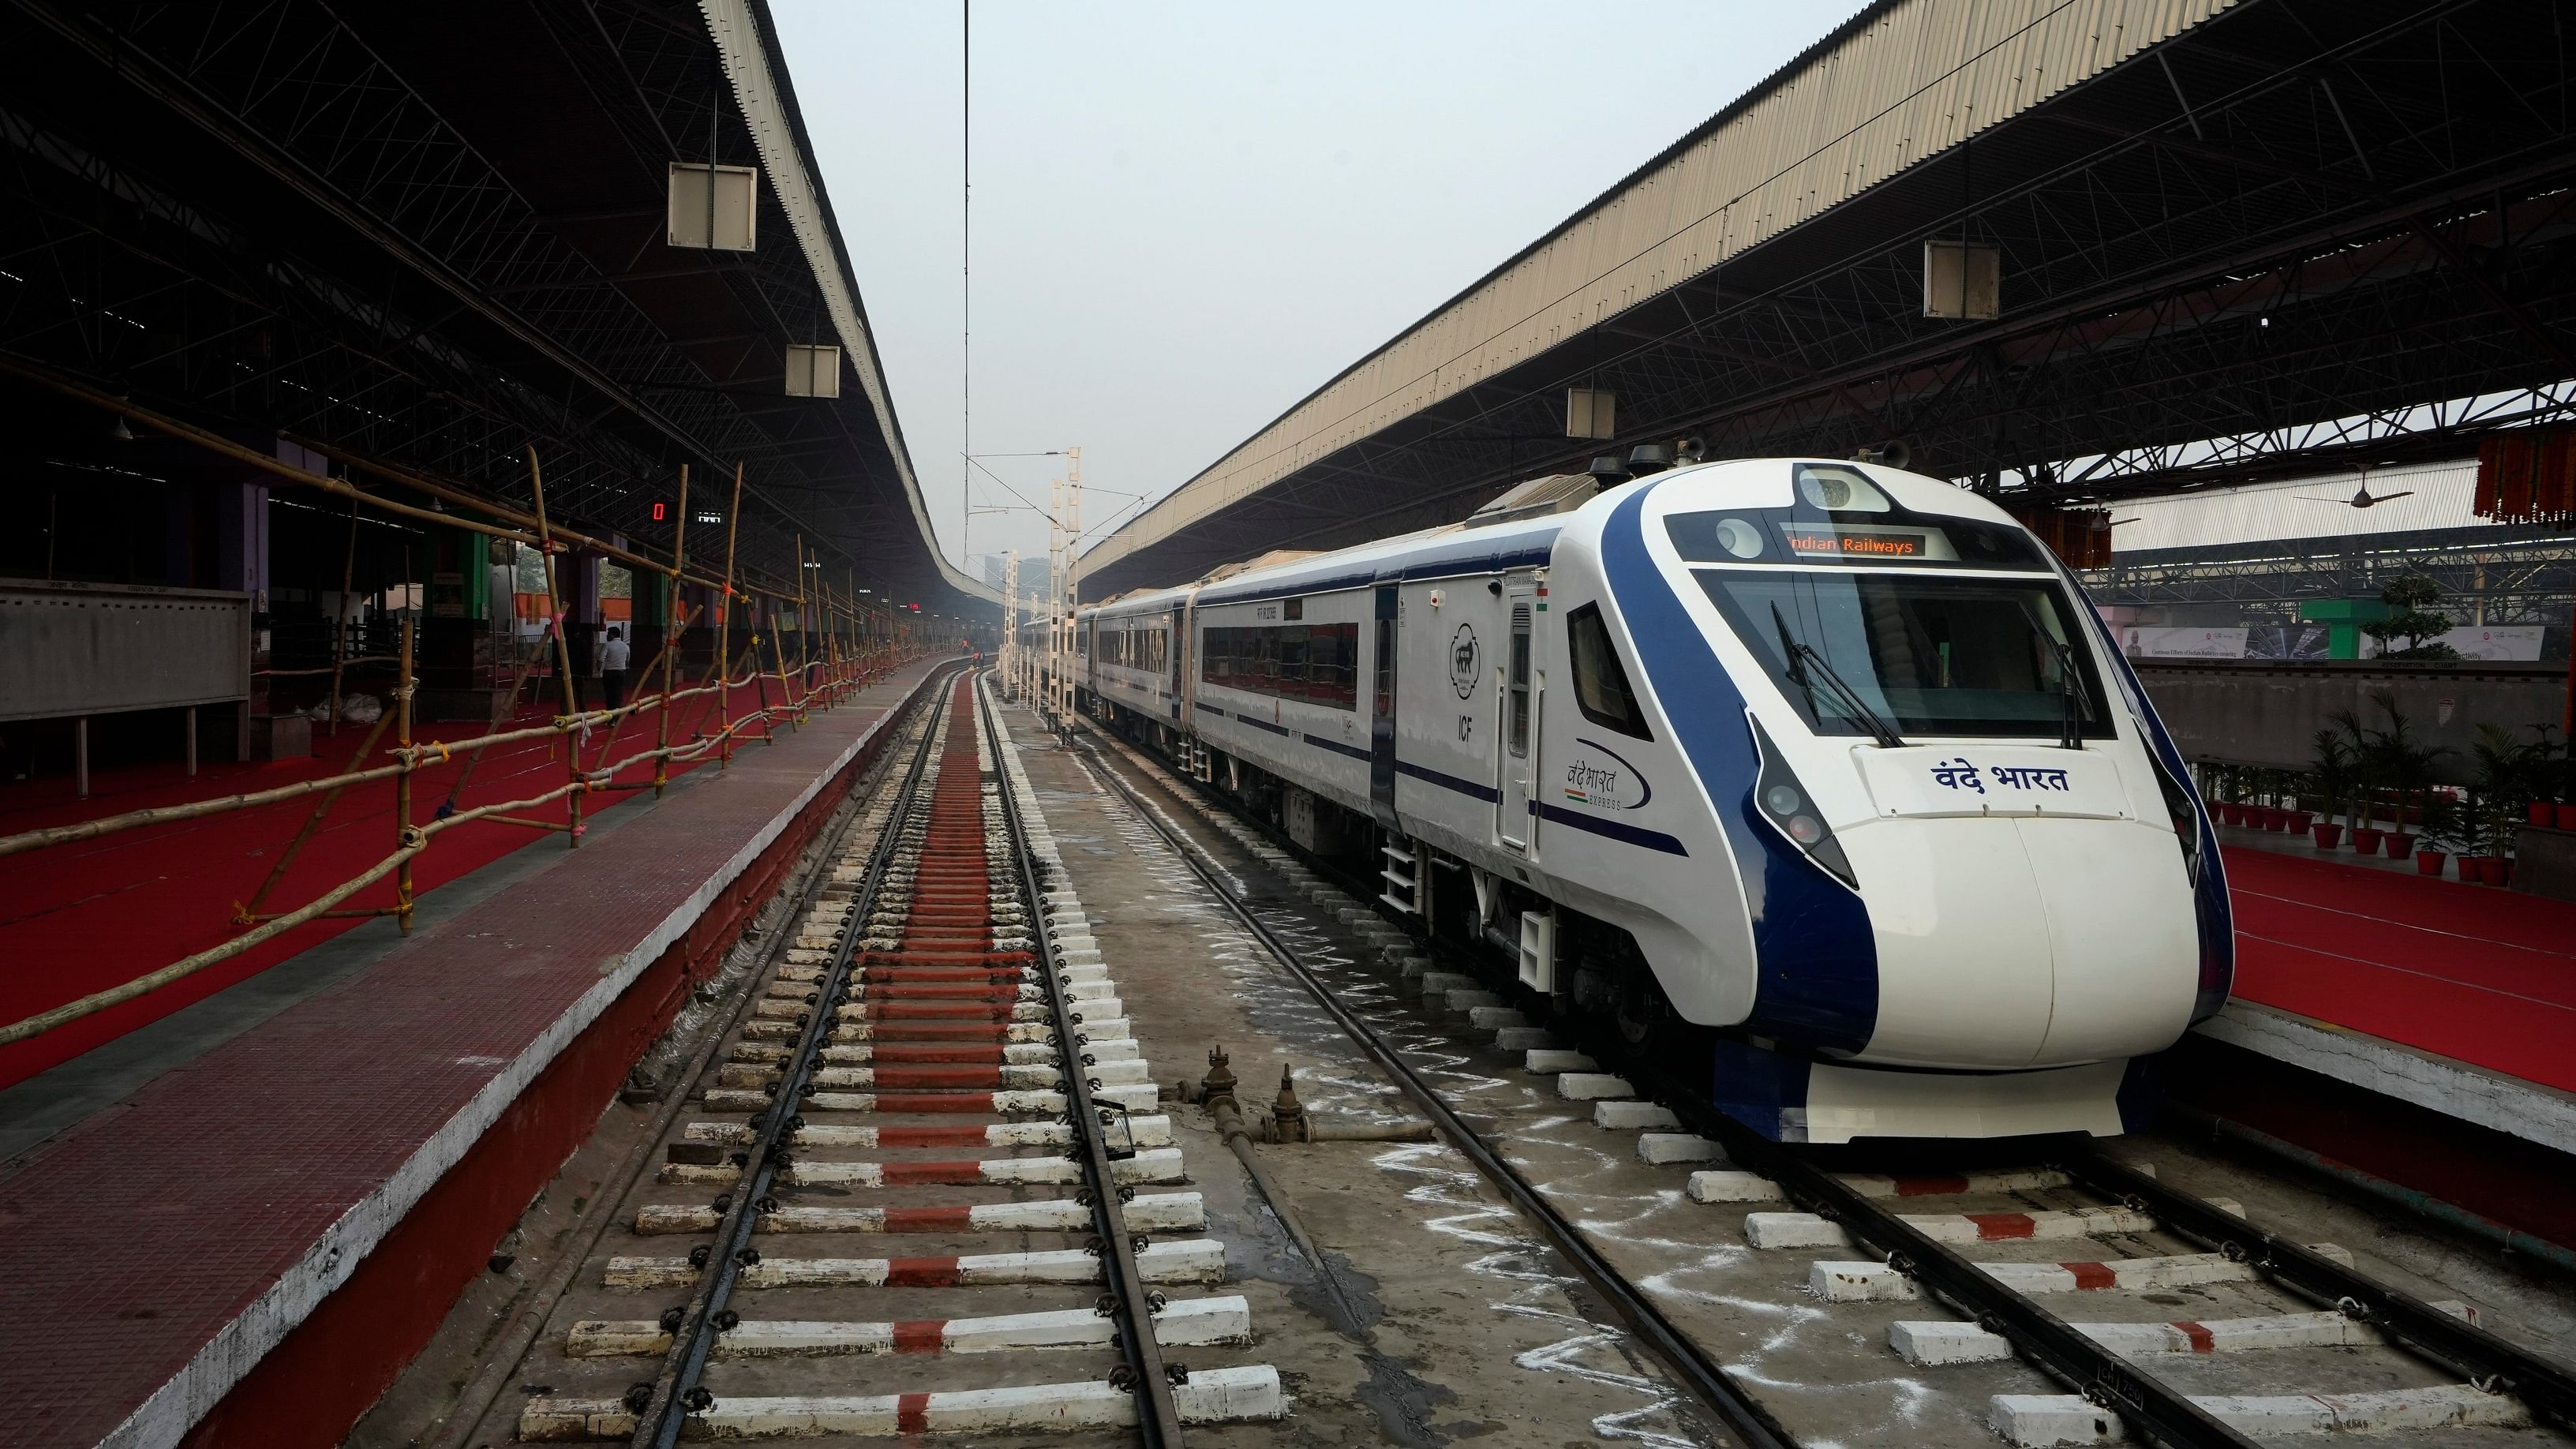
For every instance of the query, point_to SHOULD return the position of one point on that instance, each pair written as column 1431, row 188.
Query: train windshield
column 1924, row 654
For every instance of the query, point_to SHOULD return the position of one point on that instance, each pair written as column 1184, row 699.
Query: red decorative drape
column 2528, row 476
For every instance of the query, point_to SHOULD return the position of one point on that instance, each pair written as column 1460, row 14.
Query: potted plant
column 2406, row 763
column 2503, row 772
column 2361, row 758
column 2439, row 832
column 2412, row 620
column 2551, row 780
column 2330, row 776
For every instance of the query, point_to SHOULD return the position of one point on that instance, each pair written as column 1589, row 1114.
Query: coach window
column 1601, row 688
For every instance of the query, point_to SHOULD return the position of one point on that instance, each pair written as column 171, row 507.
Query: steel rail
column 1158, row 1418
column 1701, row 1375
column 518, row 1333
column 2155, row 1409
column 2160, row 1412
column 676, row 1391
column 2490, row 1362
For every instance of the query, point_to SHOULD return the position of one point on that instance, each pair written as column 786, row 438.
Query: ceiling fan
column 2362, row 497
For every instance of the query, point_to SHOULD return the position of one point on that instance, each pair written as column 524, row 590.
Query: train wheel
column 1639, row 1008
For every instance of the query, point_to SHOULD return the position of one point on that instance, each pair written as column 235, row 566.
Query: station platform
column 2478, row 974
column 245, row 1246
column 85, row 916
column 2414, row 1031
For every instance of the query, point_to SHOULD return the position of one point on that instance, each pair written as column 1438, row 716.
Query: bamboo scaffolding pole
column 724, row 636
column 162, row 814
column 340, row 622
column 402, row 783
column 563, row 646
column 417, row 841
column 831, row 645
column 246, row 913
column 618, row 717
column 788, row 700
column 411, row 478
column 98, row 1001
column 671, row 650
column 760, row 683
column 804, row 630
column 474, row 753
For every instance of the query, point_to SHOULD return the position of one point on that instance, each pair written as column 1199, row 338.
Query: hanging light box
column 813, row 371
column 724, row 222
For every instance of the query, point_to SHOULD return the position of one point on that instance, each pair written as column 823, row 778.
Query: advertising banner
column 2140, row 641
column 2288, row 641
column 2495, row 641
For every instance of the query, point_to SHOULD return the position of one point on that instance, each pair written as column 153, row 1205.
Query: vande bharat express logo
column 1462, row 661
column 1957, row 774
column 1601, row 779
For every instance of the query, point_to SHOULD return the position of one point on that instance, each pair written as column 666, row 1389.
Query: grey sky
column 1188, row 216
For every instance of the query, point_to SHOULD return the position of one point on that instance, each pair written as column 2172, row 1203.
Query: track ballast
column 2127, row 1373
column 939, row 1062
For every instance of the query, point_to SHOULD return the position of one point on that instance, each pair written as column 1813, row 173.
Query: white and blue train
column 1822, row 769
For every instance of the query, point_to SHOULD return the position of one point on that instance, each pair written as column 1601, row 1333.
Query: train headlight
column 2184, row 807
column 1785, row 804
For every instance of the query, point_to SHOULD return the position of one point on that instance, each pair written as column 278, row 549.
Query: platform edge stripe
column 2494, row 1100
column 165, row 1416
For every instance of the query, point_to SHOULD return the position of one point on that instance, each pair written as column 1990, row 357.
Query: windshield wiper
column 2070, row 734
column 2070, row 721
column 1802, row 655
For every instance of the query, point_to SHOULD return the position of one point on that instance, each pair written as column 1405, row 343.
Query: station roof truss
column 435, row 236
column 2236, row 241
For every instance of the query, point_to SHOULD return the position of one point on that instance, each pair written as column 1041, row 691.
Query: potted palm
column 2406, row 763
column 2438, row 833
column 2503, row 772
column 2231, row 786
column 2550, row 786
column 2362, row 753
column 2330, row 776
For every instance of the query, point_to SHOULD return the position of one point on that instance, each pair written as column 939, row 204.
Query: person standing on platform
column 612, row 669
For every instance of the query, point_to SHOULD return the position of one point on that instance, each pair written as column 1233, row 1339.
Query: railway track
column 937, row 1069
column 2003, row 1250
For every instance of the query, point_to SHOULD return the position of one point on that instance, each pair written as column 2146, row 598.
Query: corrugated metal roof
column 1904, row 81
column 2440, row 497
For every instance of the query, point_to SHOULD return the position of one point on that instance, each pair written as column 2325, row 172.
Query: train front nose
column 2019, row 942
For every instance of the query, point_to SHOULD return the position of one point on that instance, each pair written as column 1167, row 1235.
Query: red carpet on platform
column 79, row 918
column 2476, row 973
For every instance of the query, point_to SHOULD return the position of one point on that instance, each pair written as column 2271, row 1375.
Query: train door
column 1517, row 727
column 1176, row 637
column 1382, row 710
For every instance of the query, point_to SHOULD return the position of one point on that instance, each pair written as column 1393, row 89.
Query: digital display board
column 1850, row 543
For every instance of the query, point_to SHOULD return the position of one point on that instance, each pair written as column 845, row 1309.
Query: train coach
column 1822, row 773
